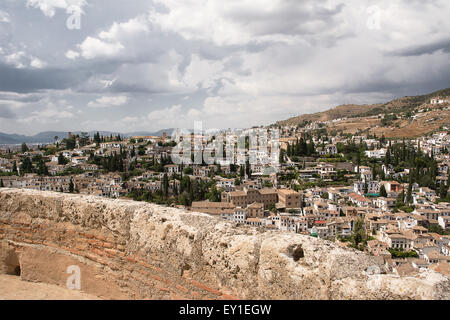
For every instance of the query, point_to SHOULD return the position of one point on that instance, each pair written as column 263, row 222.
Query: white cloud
column 109, row 43
column 16, row 59
column 48, row 7
column 4, row 17
column 125, row 29
column 72, row 55
column 169, row 112
column 50, row 115
column 37, row 63
column 202, row 73
column 21, row 59
column 241, row 21
column 93, row 48
column 105, row 102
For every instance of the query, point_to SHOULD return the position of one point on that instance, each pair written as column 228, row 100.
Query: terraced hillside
column 415, row 116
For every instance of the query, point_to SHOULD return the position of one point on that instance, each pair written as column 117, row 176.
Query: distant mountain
column 49, row 136
column 147, row 133
column 352, row 110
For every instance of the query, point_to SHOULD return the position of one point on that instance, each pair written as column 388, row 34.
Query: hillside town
column 387, row 197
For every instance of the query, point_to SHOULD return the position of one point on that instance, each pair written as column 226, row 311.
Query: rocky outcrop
column 134, row 250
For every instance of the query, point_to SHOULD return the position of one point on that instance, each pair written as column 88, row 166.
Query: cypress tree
column 443, row 190
column 409, row 195
column 14, row 169
column 71, row 186
column 383, row 192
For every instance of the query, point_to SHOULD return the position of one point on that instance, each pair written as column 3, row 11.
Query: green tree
column 42, row 169
column 248, row 170
column 359, row 233
column 188, row 170
column 401, row 199
column 97, row 138
column 443, row 190
column 409, row 195
column 241, row 171
column 165, row 186
column 14, row 169
column 281, row 158
column 214, row 195
column 71, row 186
column 24, row 147
column 383, row 192
column 70, row 143
column 62, row 160
column 26, row 166
column 1, row 183
column 435, row 228
column 84, row 139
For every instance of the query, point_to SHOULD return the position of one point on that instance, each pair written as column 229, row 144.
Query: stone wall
column 134, row 250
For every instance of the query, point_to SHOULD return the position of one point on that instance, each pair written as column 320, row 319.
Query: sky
column 135, row 65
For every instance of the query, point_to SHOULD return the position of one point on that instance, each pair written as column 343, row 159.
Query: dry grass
column 426, row 123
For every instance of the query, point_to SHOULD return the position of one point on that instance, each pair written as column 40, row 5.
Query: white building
column 380, row 153
column 444, row 222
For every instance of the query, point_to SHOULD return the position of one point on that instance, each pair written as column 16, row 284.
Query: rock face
column 133, row 250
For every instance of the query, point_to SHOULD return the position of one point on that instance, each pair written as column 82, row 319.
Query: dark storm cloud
column 419, row 50
column 29, row 80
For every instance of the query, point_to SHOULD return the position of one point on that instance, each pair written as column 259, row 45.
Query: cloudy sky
column 128, row 65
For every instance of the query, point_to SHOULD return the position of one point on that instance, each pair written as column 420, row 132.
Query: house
column 79, row 160
column 171, row 169
column 213, row 208
column 325, row 170
column 430, row 214
column 288, row 223
column 289, row 198
column 340, row 227
column 366, row 174
column 444, row 222
column 385, row 204
column 392, row 186
column 438, row 100
column 378, row 248
column 240, row 215
column 255, row 222
column 255, row 210
column 378, row 154
column 434, row 257
column 400, row 241
column 419, row 263
column 328, row 149
column 427, row 192
column 358, row 187
column 388, row 170
column 359, row 200
column 225, row 184
column 242, row 198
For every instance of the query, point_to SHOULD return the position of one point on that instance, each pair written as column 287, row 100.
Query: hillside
column 368, row 117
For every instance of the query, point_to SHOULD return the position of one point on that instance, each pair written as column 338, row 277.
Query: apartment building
column 242, row 198
column 289, row 198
